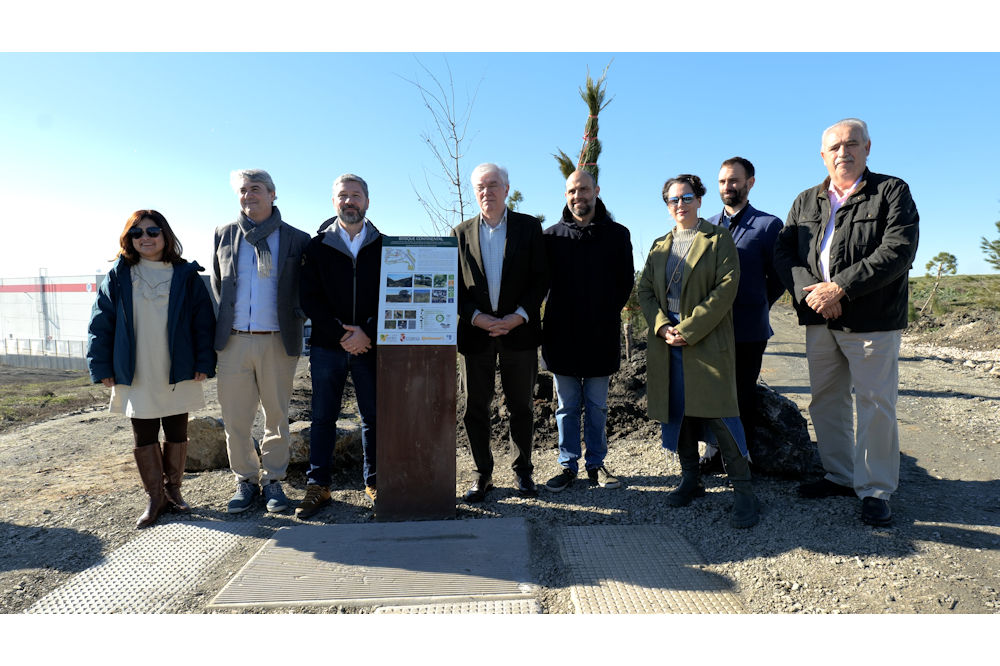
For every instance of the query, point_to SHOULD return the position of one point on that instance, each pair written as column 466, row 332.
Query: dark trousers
column 147, row 431
column 329, row 368
column 749, row 356
column 518, row 371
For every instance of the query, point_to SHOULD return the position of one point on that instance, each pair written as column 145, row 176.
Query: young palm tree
column 593, row 94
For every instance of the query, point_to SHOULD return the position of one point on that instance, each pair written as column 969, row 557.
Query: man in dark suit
column 755, row 233
column 502, row 279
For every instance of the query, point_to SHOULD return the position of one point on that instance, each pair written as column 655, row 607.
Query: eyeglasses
column 687, row 199
column 152, row 232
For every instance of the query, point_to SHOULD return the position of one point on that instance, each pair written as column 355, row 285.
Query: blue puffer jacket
column 190, row 326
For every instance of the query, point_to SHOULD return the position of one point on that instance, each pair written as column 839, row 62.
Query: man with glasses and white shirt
column 502, row 279
column 845, row 254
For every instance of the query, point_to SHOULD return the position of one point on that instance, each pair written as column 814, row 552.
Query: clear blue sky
column 85, row 139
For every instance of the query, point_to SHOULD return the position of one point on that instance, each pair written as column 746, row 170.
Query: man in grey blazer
column 258, row 337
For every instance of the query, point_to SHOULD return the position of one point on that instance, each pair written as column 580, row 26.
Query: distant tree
column 991, row 248
column 514, row 200
column 446, row 205
column 593, row 96
column 945, row 264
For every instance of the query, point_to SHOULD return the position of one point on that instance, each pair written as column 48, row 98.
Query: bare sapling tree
column 945, row 264
column 445, row 197
column 593, row 94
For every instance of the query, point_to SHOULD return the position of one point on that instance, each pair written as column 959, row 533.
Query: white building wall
column 47, row 308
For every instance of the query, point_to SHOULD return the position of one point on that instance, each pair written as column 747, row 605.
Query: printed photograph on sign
column 398, row 296
column 398, row 280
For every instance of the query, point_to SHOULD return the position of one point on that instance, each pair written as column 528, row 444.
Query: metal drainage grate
column 641, row 569
column 149, row 572
column 503, row 607
column 376, row 564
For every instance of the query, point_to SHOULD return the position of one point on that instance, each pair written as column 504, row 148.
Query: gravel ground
column 71, row 495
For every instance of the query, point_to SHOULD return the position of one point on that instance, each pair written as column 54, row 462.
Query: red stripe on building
column 49, row 288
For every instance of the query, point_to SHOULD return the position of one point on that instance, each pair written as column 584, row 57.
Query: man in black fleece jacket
column 591, row 276
column 339, row 293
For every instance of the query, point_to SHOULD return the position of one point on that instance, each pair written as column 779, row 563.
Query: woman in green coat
column 686, row 292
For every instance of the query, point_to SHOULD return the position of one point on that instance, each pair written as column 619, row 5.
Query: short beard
column 735, row 199
column 581, row 210
column 350, row 216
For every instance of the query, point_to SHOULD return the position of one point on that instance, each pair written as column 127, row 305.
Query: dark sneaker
column 244, row 496
column 560, row 481
column 875, row 511
column 275, row 496
column 600, row 476
column 316, row 498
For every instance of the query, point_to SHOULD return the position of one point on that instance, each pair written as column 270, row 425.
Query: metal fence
column 38, row 353
column 39, row 347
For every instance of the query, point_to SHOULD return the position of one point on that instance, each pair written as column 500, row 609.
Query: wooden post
column 415, row 451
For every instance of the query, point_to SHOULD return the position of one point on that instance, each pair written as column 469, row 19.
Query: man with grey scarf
column 258, row 336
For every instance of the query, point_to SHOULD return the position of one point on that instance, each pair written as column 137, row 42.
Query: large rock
column 781, row 445
column 206, row 444
column 347, row 450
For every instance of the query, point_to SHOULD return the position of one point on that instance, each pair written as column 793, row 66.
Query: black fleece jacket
column 336, row 289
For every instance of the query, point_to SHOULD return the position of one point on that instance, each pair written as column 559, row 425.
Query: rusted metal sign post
column 416, row 379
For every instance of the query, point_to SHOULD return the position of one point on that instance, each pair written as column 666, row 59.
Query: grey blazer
column 291, row 243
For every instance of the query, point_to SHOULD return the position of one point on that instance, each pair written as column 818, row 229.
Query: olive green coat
column 711, row 275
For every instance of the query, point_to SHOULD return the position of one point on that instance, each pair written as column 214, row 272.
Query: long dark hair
column 172, row 248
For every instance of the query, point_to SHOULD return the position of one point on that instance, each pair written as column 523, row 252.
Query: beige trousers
column 254, row 370
column 868, row 363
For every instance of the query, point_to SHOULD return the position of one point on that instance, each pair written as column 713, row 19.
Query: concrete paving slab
column 641, row 569
column 378, row 564
column 502, row 607
column 149, row 572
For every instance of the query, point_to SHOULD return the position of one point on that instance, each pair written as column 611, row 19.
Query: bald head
column 581, row 196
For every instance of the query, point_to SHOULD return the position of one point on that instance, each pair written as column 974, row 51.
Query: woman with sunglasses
column 686, row 292
column 150, row 342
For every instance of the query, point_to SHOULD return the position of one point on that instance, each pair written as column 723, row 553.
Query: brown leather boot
column 174, row 458
column 150, row 463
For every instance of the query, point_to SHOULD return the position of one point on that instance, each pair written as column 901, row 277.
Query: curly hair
column 692, row 180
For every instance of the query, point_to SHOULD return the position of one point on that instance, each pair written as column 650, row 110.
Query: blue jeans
column 329, row 368
column 587, row 396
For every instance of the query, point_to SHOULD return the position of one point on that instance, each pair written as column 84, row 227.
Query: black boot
column 691, row 486
column 746, row 508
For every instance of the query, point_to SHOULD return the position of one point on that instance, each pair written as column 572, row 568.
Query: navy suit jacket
column 760, row 286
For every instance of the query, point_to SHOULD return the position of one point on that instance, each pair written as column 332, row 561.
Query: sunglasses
column 152, row 232
column 687, row 199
